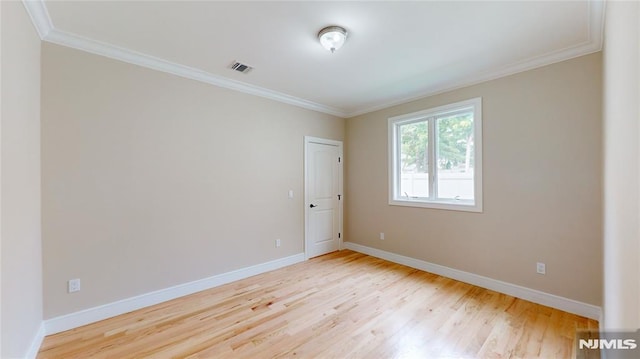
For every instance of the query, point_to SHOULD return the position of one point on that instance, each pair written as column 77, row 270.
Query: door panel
column 323, row 221
column 323, row 208
column 322, row 173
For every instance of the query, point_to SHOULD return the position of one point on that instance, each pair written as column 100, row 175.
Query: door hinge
column 339, row 159
column 339, row 235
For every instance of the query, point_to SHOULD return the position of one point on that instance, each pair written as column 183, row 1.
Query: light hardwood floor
column 341, row 305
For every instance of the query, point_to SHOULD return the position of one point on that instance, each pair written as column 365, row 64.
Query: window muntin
column 435, row 157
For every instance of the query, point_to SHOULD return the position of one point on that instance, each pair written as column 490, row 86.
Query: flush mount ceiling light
column 332, row 37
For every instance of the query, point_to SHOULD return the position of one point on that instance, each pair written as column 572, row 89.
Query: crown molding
column 119, row 53
column 530, row 64
column 40, row 17
column 37, row 10
column 39, row 14
column 594, row 43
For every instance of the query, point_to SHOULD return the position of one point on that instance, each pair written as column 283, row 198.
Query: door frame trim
column 338, row 144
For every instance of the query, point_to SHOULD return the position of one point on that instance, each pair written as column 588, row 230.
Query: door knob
column 312, row 205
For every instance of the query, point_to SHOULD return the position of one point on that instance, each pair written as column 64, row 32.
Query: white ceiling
column 396, row 51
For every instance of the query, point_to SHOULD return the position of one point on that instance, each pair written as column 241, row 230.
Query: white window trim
column 394, row 122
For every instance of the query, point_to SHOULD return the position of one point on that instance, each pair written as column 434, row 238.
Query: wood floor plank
column 341, row 305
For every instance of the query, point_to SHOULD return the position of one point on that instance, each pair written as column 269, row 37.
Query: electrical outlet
column 290, row 194
column 541, row 268
column 73, row 285
column 382, row 236
column 278, row 243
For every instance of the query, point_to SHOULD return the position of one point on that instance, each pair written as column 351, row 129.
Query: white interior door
column 323, row 196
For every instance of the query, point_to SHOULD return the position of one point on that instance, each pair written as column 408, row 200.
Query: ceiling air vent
column 240, row 67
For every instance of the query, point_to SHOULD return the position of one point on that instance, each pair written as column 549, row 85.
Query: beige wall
column 542, row 184
column 151, row 180
column 20, row 182
column 621, row 176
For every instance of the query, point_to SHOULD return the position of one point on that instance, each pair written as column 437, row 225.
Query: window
column 435, row 157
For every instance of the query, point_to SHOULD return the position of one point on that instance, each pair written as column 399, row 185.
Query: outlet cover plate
column 73, row 285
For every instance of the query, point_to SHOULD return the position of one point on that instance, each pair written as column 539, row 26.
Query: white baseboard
column 91, row 315
column 532, row 295
column 36, row 343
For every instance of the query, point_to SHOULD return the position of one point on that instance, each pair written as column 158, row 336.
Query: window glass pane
column 414, row 157
column 454, row 153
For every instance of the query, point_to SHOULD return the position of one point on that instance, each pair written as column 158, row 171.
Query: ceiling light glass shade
column 332, row 37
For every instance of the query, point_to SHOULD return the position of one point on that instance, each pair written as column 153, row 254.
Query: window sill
column 446, row 205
